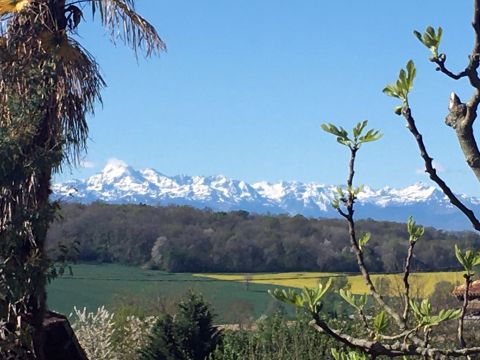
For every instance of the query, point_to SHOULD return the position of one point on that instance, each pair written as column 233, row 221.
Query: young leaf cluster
column 358, row 302
column 341, row 197
column 309, row 299
column 402, row 87
column 364, row 239
column 423, row 314
column 353, row 142
column 431, row 39
column 468, row 259
column 380, row 323
column 415, row 232
column 351, row 355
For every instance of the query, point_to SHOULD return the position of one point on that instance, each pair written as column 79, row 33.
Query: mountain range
column 119, row 183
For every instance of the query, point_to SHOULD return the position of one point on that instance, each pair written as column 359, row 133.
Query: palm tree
column 48, row 85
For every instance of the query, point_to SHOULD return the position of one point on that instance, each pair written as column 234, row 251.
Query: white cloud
column 116, row 162
column 439, row 167
column 86, row 164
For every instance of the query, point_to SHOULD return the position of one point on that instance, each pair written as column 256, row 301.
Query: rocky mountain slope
column 120, row 183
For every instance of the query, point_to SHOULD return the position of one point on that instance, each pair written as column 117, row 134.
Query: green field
column 95, row 285
column 109, row 285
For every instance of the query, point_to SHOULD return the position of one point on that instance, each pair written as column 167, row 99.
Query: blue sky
column 245, row 85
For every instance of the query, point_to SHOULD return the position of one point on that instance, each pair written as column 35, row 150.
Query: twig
column 397, row 349
column 433, row 172
column 461, row 339
column 354, row 243
column 442, row 68
column 406, row 283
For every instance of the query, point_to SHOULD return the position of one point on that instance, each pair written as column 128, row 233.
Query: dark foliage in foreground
column 189, row 335
column 275, row 338
column 183, row 239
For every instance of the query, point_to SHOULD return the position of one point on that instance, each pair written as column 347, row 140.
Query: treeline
column 184, row 239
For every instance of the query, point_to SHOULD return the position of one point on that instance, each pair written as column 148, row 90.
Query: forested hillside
column 183, row 239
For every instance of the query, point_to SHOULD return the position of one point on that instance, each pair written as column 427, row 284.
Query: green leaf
column 430, row 39
column 364, row 240
column 414, row 232
column 411, row 73
column 332, row 129
column 351, row 355
column 358, row 190
column 358, row 302
column 459, row 255
column 467, row 259
column 418, row 35
column 422, row 313
column 403, row 85
column 348, row 297
column 339, row 132
column 381, row 323
column 336, row 355
column 439, row 35
column 308, row 298
column 336, row 204
column 343, row 141
column 476, row 261
column 288, row 296
column 357, row 130
column 390, row 90
column 339, row 191
column 343, row 138
column 445, row 315
column 403, row 79
column 371, row 135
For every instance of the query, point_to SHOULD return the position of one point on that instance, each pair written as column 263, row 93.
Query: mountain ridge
column 120, row 183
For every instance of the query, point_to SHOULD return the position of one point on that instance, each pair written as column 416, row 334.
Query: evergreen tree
column 162, row 344
column 190, row 335
column 196, row 334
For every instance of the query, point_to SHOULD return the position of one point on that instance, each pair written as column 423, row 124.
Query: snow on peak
column 115, row 167
column 120, row 183
column 418, row 192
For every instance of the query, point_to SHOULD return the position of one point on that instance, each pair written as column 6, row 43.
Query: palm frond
column 123, row 23
column 71, row 79
column 78, row 85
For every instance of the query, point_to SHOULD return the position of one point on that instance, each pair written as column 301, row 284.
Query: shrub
column 103, row 337
column 275, row 338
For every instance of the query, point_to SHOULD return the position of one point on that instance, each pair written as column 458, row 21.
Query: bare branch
column 461, row 339
column 461, row 118
column 406, row 283
column 442, row 68
column 377, row 348
column 358, row 252
column 433, row 172
column 476, row 29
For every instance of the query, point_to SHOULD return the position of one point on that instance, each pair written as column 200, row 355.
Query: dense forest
column 184, row 239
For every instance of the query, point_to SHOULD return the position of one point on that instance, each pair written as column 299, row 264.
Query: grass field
column 95, row 285
column 422, row 284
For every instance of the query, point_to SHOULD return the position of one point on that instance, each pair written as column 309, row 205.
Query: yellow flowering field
column 422, row 284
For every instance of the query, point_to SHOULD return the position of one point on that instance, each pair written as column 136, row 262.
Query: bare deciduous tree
column 409, row 331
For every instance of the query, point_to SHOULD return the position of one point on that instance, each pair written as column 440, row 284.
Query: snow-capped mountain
column 119, row 183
